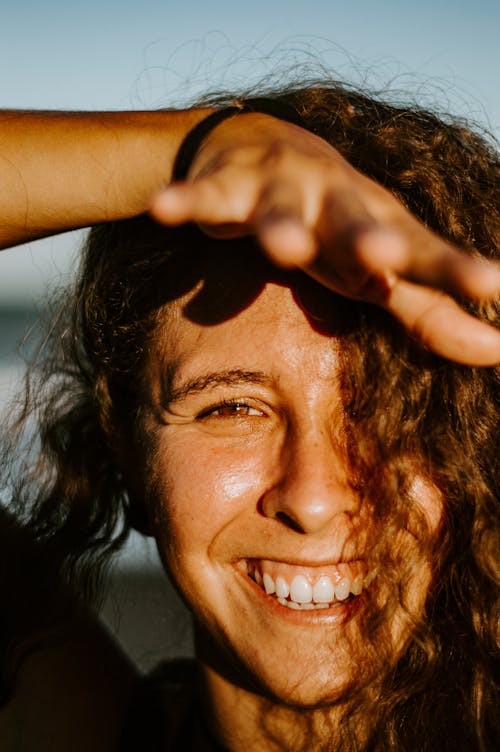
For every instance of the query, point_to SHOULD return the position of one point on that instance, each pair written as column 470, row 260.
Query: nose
column 312, row 490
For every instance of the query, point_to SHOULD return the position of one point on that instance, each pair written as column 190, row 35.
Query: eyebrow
column 198, row 384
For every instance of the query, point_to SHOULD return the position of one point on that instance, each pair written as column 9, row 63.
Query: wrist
column 195, row 139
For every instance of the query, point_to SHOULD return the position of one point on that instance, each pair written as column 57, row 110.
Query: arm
column 254, row 175
column 60, row 171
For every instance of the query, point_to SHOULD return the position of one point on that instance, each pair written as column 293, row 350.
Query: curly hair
column 403, row 406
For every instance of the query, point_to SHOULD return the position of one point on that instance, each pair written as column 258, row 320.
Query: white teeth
column 300, row 590
column 282, row 589
column 302, row 594
column 342, row 589
column 268, row 584
column 323, row 591
column 302, row 606
column 296, row 606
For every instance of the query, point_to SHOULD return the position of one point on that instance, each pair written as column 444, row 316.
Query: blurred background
column 154, row 53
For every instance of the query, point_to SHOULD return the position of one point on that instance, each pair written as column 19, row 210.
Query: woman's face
column 249, row 497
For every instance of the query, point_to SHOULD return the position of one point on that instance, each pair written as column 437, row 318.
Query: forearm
column 60, row 171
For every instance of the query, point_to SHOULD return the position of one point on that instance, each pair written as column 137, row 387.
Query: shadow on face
column 228, row 276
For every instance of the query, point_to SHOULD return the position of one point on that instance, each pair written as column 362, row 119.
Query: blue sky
column 106, row 54
column 112, row 55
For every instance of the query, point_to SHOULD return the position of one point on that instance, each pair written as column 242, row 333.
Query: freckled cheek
column 206, row 490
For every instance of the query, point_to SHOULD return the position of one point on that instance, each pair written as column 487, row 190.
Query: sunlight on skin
column 309, row 208
column 380, row 253
column 236, row 447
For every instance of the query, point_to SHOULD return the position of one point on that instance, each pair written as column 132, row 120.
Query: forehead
column 271, row 327
column 242, row 310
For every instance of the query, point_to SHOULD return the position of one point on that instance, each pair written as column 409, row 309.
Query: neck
column 240, row 719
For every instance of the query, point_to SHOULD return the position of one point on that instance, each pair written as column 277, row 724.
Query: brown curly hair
column 402, row 405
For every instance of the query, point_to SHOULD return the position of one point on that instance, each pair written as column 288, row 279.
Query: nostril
column 289, row 521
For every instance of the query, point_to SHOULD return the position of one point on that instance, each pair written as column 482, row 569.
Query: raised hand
column 309, row 208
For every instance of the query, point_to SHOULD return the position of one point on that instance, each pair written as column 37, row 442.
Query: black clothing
column 164, row 714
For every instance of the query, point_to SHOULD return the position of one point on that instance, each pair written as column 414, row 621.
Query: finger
column 280, row 226
column 286, row 241
column 207, row 201
column 440, row 324
column 174, row 205
column 420, row 256
column 475, row 276
column 342, row 221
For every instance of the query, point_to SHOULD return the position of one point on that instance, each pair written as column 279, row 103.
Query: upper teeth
column 302, row 591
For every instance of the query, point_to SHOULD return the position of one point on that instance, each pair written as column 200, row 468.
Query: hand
column 309, row 208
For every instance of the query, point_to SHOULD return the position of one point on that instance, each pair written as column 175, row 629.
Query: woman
column 321, row 485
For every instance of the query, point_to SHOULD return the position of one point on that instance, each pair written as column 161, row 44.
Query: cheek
column 198, row 492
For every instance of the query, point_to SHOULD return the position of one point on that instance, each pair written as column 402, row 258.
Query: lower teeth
column 304, row 606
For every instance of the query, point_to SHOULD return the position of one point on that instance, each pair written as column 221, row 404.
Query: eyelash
column 234, row 403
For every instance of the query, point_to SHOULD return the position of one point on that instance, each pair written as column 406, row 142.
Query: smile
column 310, row 588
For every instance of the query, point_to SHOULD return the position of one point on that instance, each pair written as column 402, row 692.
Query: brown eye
column 231, row 410
column 228, row 411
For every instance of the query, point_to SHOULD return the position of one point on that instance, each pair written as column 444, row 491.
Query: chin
column 312, row 679
column 313, row 691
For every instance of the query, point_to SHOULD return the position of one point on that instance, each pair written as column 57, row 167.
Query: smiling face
column 249, row 499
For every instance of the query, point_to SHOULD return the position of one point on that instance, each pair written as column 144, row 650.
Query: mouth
column 310, row 588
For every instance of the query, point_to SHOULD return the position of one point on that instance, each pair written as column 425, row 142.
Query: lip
column 303, row 561
column 337, row 615
column 335, row 571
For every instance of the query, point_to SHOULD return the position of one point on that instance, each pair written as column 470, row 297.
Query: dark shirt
column 164, row 714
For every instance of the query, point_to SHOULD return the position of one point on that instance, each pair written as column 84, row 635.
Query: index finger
column 423, row 257
column 440, row 324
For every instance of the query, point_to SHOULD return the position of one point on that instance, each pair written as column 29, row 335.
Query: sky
column 149, row 53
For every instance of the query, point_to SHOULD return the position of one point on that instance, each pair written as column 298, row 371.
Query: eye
column 231, row 409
